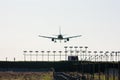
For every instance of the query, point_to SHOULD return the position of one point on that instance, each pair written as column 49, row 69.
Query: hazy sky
column 21, row 21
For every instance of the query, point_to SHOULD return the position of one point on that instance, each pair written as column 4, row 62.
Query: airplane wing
column 73, row 36
column 47, row 37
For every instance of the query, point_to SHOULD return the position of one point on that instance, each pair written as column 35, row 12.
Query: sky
column 21, row 21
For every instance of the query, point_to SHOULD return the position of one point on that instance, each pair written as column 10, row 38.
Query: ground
column 26, row 75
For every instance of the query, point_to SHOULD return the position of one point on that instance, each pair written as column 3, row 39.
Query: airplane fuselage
column 60, row 37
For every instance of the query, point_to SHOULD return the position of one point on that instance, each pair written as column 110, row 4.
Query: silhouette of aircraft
column 60, row 37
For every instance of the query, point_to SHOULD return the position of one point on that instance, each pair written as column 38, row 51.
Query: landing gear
column 65, row 41
column 55, row 41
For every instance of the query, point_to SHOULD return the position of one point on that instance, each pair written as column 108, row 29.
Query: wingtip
column 38, row 35
column 79, row 35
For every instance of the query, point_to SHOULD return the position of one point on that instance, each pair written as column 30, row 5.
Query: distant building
column 72, row 58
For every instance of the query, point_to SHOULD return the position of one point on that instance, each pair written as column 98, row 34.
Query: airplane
column 60, row 37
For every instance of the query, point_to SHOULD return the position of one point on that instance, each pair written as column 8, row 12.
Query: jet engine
column 52, row 39
column 67, row 39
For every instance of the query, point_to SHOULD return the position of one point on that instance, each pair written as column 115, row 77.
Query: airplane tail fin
column 59, row 30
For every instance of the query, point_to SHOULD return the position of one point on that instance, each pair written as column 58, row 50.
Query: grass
column 26, row 75
column 96, row 76
column 47, row 76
